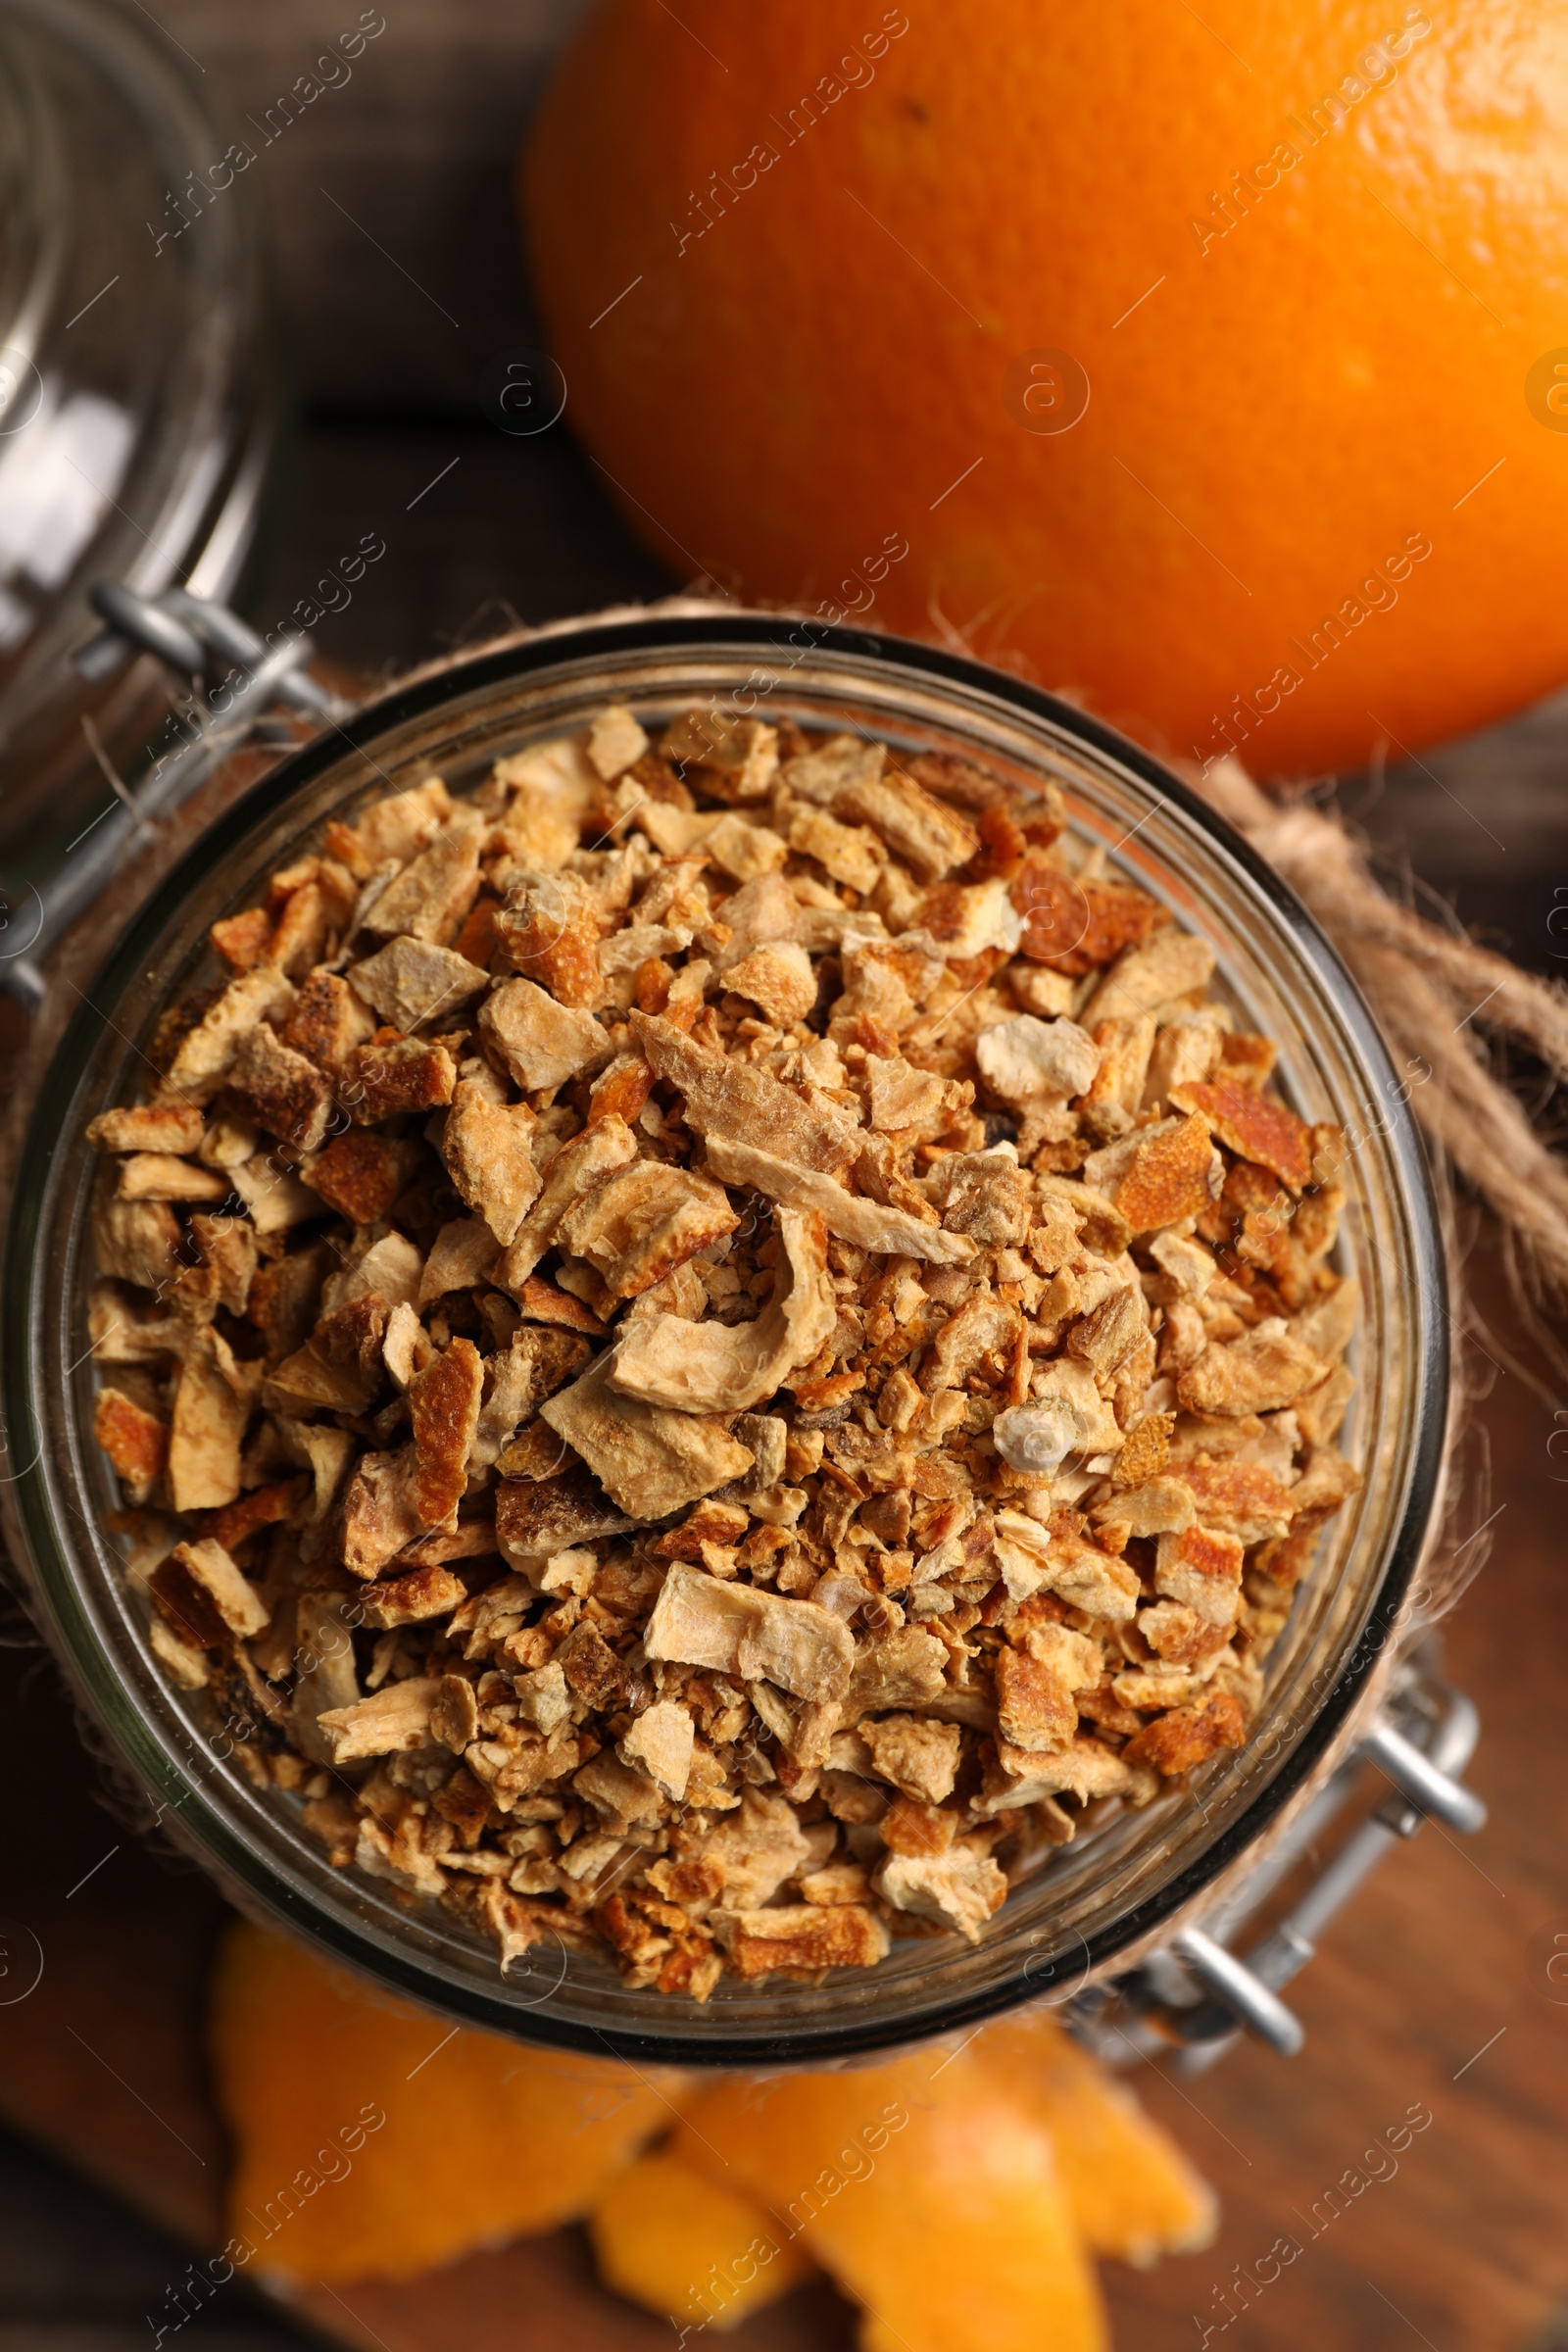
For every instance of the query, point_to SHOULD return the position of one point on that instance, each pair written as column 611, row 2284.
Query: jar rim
column 590, row 648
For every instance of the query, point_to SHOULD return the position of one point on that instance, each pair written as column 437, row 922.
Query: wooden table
column 1431, row 1990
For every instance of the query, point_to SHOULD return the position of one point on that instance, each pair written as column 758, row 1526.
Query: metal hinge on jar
column 239, row 678
column 1197, row 1993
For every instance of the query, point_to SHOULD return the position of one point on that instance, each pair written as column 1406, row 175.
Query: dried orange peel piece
column 1255, row 1128
column 931, row 2194
column 1132, row 2191
column 373, row 2141
column 1169, row 1177
column 698, row 2250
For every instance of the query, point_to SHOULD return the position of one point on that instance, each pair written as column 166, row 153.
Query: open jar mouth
column 1101, row 1895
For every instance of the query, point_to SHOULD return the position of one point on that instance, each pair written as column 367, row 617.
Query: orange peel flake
column 1253, row 1127
column 1168, row 1179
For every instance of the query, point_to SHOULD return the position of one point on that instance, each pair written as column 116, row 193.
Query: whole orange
column 1212, row 365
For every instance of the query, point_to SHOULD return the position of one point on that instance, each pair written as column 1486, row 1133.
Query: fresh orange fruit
column 1211, row 364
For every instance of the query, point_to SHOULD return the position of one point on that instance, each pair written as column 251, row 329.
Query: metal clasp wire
column 202, row 643
column 1195, row 1992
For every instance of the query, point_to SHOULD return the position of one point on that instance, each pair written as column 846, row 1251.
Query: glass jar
column 1102, row 1898
column 139, row 387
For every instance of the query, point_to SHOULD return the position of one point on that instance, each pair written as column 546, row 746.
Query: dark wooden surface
column 388, row 197
column 81, row 2273
column 1466, row 2249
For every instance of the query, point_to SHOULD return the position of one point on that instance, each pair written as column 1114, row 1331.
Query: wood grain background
column 399, row 278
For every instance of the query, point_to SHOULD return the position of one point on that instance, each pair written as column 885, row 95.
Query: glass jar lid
column 139, row 393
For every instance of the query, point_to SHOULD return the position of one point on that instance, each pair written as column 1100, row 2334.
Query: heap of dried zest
column 716, row 1347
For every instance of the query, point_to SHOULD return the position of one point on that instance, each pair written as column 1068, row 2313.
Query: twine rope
column 1434, row 992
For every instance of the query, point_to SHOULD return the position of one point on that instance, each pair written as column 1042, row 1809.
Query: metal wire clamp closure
column 1198, row 1994
column 240, row 677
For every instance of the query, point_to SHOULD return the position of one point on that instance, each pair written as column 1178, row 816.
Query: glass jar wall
column 1100, row 1896
column 140, row 385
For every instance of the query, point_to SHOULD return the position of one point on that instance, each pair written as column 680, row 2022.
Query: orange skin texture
column 930, row 2194
column 1133, row 2193
column 1274, row 412
column 483, row 2141
column 694, row 2249
column 372, row 2140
